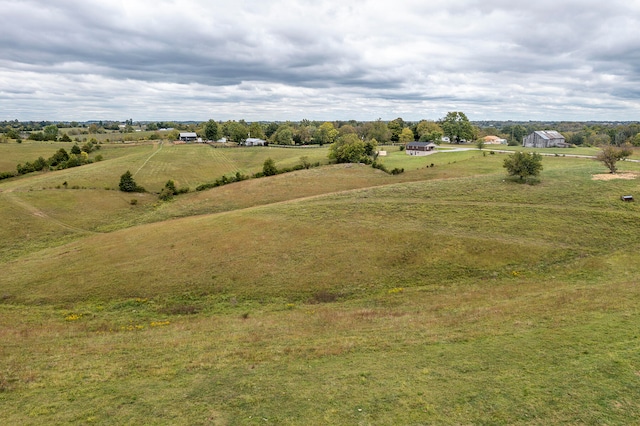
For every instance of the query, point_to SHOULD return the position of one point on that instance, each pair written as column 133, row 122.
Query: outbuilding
column 188, row 137
column 255, row 142
column 545, row 139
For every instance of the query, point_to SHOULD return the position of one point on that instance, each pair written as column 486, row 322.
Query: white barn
column 255, row 142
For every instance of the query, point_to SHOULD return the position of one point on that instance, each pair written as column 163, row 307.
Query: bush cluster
column 380, row 166
column 58, row 161
column 224, row 180
column 170, row 190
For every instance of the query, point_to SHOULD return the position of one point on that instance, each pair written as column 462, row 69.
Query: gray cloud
column 196, row 59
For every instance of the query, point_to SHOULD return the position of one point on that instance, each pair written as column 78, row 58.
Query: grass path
column 12, row 197
column 157, row 150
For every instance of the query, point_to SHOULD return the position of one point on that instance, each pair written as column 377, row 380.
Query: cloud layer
column 284, row 59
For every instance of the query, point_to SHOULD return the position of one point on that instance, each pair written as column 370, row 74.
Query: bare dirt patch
column 611, row 176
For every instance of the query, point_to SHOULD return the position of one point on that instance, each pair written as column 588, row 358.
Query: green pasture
column 336, row 295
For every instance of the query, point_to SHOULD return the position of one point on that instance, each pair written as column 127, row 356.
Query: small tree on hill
column 127, row 184
column 523, row 164
column 269, row 167
column 610, row 155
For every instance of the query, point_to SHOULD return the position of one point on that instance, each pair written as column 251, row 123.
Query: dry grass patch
column 612, row 176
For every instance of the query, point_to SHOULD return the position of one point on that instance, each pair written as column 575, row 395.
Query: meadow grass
column 335, row 295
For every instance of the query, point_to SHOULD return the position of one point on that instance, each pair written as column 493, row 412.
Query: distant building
column 188, row 137
column 420, row 148
column 494, row 140
column 255, row 142
column 545, row 139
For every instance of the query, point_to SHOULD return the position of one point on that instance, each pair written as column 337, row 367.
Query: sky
column 320, row 60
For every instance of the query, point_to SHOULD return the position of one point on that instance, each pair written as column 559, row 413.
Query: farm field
column 340, row 294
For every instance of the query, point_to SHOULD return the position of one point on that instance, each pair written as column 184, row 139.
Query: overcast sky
column 322, row 60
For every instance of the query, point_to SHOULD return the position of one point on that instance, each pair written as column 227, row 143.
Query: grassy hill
column 334, row 295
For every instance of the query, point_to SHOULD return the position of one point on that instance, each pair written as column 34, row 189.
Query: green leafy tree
column 168, row 191
column 377, row 130
column 51, row 132
column 256, row 131
column 480, row 144
column 429, row 131
column 269, row 167
column 609, row 155
column 75, row 149
column 325, row 134
column 457, row 126
column 59, row 157
column 127, row 184
column 406, row 135
column 395, row 127
column 211, row 131
column 65, row 138
column 348, row 149
column 523, row 164
column 283, row 136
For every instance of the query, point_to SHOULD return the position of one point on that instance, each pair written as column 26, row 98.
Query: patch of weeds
column 323, row 296
column 181, row 309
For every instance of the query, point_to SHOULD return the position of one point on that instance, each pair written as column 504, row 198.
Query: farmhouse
column 545, row 139
column 420, row 148
column 188, row 137
column 494, row 140
column 255, row 142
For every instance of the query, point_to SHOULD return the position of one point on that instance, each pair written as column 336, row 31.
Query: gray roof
column 188, row 135
column 549, row 134
column 421, row 143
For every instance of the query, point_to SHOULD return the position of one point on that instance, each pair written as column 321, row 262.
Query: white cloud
column 563, row 59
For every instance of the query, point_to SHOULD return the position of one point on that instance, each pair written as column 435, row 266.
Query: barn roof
column 549, row 134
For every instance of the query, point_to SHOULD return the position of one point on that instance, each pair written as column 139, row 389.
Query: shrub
column 6, row 175
column 269, row 167
column 127, row 184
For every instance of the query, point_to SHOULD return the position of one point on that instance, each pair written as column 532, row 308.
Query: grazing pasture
column 334, row 295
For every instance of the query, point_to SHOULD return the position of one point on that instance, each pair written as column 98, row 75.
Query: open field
column 334, row 295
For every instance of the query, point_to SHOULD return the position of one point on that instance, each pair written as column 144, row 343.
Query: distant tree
column 304, row 160
column 65, row 138
column 609, row 155
column 523, row 164
column 395, row 127
column 59, row 157
column 150, row 126
column 406, row 135
column 269, row 167
column 377, row 130
column 235, row 131
column 75, row 149
column 211, row 130
column 168, row 191
column 480, row 144
column 51, row 132
column 127, row 184
column 348, row 149
column 325, row 134
column 13, row 134
column 270, row 129
column 256, row 131
column 429, row 131
column 283, row 136
column 516, row 133
column 456, row 126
